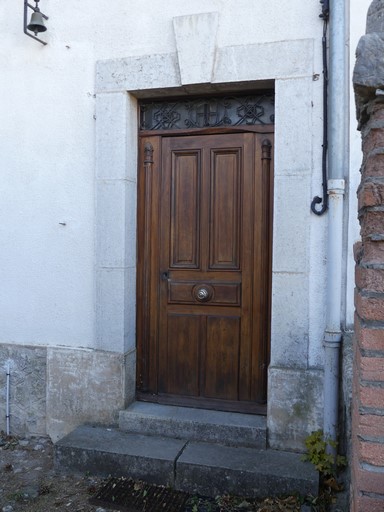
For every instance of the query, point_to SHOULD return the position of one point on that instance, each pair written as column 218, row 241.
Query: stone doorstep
column 228, row 428
column 195, row 467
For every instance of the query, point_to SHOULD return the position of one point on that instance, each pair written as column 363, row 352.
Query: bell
column 37, row 23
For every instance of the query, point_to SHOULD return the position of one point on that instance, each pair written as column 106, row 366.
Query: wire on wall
column 324, row 200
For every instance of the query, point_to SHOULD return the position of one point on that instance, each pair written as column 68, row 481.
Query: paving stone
column 211, row 469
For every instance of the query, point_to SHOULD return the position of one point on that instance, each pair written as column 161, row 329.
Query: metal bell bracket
column 34, row 9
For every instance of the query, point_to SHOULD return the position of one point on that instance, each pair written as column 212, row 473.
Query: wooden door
column 204, row 270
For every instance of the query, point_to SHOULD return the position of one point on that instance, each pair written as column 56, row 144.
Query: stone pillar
column 367, row 488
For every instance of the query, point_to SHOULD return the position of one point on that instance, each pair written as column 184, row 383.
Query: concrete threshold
column 228, row 428
column 204, row 468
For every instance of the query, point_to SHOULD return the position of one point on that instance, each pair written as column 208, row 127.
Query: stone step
column 211, row 470
column 107, row 451
column 228, row 428
column 205, row 468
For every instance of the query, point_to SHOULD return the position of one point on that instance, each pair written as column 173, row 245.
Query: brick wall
column 367, row 486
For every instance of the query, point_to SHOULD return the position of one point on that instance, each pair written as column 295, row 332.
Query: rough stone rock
column 375, row 17
column 369, row 69
column 31, row 492
column 368, row 74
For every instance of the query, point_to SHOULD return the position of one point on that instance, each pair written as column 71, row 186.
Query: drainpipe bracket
column 336, row 186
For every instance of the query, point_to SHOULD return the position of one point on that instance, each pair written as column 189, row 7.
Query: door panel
column 178, row 364
column 185, row 208
column 225, row 215
column 222, row 357
column 203, row 287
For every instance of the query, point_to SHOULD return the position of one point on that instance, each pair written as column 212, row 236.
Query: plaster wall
column 68, row 149
column 48, row 151
column 47, row 144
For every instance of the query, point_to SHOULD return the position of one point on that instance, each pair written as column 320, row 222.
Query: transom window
column 211, row 112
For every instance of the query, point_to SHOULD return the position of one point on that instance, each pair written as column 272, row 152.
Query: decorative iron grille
column 214, row 112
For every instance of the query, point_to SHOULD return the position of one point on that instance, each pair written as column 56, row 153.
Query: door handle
column 164, row 276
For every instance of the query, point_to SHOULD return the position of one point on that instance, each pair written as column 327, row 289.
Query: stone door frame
column 211, row 69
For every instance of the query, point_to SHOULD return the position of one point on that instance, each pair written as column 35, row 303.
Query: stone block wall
column 52, row 390
column 367, row 488
column 27, row 367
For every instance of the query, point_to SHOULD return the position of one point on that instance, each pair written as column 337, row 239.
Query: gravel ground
column 28, row 481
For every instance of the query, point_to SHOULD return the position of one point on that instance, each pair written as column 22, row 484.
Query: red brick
column 368, row 338
column 358, row 251
column 369, row 279
column 373, row 166
column 372, row 252
column 368, row 504
column 365, row 425
column 354, row 467
column 370, row 426
column 369, row 308
column 371, row 194
column 372, row 223
column 370, row 368
column 355, row 425
column 372, row 453
column 365, row 480
column 371, row 397
column 356, row 384
column 355, row 391
column 373, row 139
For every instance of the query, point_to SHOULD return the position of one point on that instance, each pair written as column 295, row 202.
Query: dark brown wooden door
column 204, row 282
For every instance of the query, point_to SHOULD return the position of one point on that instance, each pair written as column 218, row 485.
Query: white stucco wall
column 68, row 160
column 47, row 148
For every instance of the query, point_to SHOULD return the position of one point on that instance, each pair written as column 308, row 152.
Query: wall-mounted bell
column 36, row 24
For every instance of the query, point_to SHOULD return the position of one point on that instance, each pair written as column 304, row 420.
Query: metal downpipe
column 333, row 334
column 337, row 169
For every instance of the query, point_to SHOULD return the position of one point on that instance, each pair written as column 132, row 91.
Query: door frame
column 296, row 370
column 148, row 213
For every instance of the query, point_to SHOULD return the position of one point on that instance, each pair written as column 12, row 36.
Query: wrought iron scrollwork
column 208, row 112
